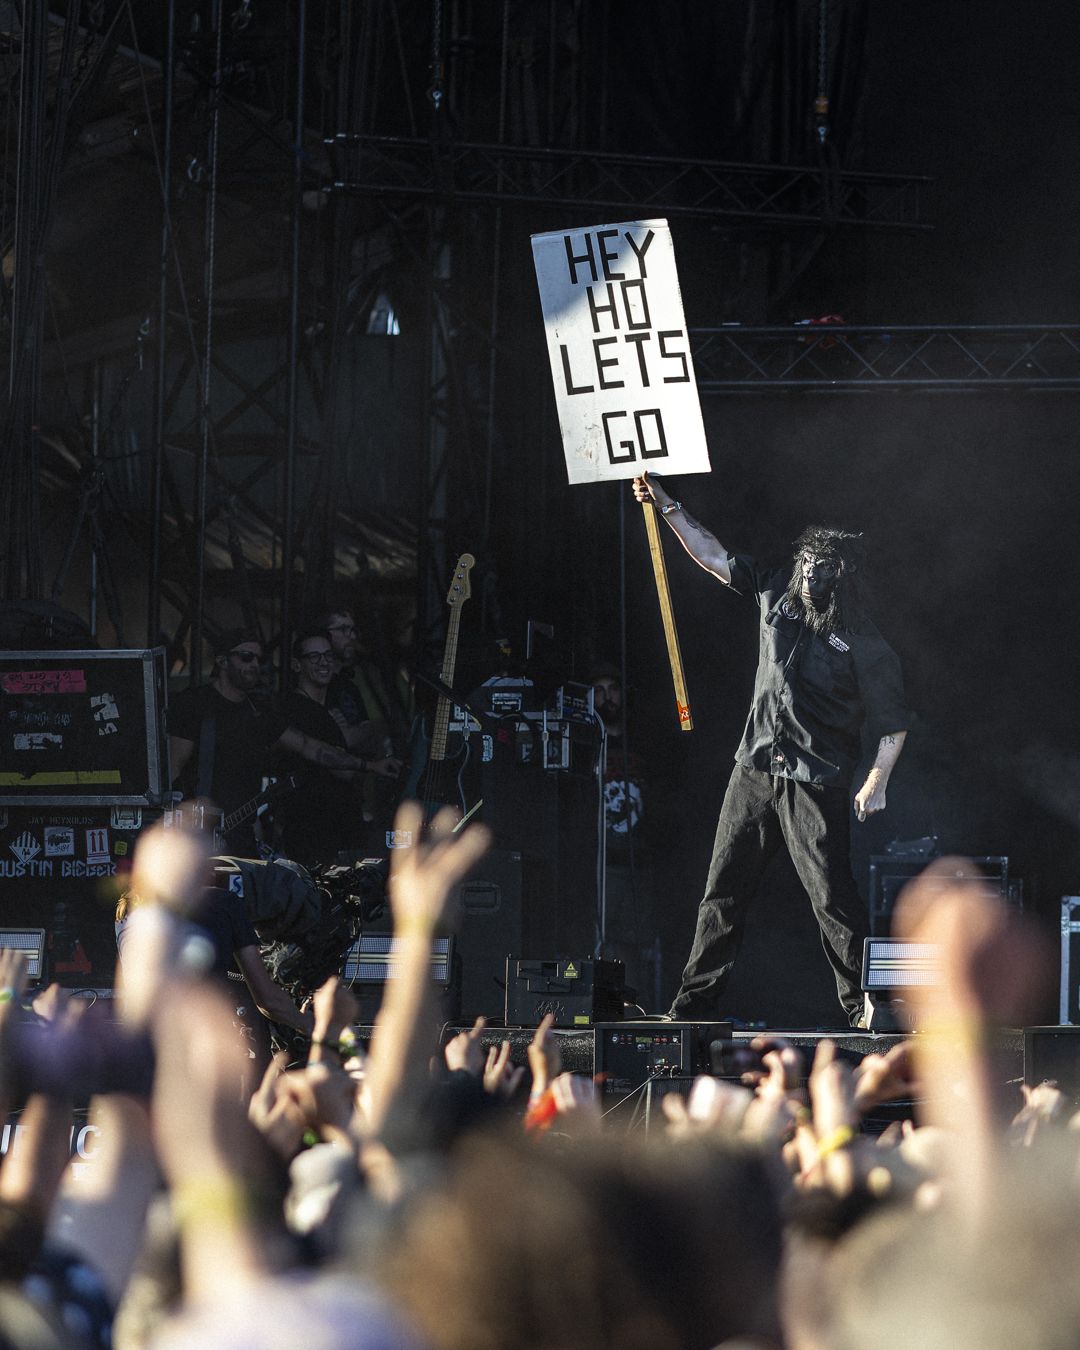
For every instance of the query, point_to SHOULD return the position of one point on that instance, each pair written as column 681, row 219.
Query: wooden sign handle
column 667, row 614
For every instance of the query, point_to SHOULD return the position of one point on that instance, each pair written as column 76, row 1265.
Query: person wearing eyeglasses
column 222, row 736
column 324, row 815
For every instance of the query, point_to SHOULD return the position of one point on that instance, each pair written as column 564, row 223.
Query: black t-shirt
column 624, row 804
column 222, row 917
column 814, row 694
column 239, row 737
column 323, row 814
column 218, row 917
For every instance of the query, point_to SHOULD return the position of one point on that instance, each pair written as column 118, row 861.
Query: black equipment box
column 1053, row 1053
column 83, row 728
column 630, row 1055
column 890, row 873
column 576, row 993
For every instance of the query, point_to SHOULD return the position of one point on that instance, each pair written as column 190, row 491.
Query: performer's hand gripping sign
column 824, row 675
column 628, row 406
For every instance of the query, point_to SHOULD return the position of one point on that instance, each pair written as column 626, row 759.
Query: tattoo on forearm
column 888, row 740
column 333, row 759
column 692, row 524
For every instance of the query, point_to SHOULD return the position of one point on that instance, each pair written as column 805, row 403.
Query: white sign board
column 620, row 352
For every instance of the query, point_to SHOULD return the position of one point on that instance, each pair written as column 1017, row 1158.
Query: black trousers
column 814, row 822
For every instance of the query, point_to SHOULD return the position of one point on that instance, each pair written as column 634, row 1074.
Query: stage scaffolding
column 299, row 176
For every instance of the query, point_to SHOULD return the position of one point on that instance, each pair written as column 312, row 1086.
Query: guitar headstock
column 460, row 587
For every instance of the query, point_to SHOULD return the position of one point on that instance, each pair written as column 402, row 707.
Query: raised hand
column 422, row 877
column 464, row 1052
column 648, row 489
column 885, row 1078
column 276, row 1114
column 501, row 1078
column 545, row 1057
column 335, row 1008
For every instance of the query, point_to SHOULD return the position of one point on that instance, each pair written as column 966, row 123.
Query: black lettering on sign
column 642, row 305
column 602, row 363
column 640, row 251
column 626, row 446
column 659, row 450
column 596, row 310
column 651, row 441
column 639, row 339
column 673, row 356
column 573, row 258
column 571, row 387
column 606, row 256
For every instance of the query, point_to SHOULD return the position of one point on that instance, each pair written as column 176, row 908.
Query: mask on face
column 823, row 578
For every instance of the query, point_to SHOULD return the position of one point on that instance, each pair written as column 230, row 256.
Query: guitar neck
column 442, row 711
column 242, row 813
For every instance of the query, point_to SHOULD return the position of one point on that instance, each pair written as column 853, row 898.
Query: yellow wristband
column 211, row 1200
column 839, row 1138
column 413, row 928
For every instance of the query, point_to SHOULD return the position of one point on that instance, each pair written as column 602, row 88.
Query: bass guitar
column 430, row 766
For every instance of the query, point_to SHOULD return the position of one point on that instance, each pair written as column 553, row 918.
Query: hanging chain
column 821, row 102
column 436, row 90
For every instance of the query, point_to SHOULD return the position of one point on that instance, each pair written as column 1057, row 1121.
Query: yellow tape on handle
column 667, row 614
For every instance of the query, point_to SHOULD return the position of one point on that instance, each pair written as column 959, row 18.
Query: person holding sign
column 825, row 675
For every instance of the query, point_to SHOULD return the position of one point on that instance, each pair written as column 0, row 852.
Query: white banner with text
column 620, row 352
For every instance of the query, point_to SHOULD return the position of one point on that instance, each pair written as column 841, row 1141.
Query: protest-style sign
column 623, row 374
column 620, row 352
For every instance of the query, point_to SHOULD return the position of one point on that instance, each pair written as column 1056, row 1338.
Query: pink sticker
column 44, row 682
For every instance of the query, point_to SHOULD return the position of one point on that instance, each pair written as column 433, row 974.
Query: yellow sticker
column 59, row 779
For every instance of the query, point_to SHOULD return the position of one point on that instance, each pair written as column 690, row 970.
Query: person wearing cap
column 222, row 736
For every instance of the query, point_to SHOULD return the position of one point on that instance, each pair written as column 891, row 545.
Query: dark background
column 968, row 500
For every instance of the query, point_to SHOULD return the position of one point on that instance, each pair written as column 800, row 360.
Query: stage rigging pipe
column 202, row 467
column 95, row 489
column 493, row 320
column 153, row 607
column 289, row 503
column 20, row 577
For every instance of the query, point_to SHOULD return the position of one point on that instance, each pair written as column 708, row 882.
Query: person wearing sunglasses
column 223, row 735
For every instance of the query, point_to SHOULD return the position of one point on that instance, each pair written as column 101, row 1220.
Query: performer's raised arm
column 705, row 549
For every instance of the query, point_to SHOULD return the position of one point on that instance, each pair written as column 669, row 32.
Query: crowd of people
column 395, row 1194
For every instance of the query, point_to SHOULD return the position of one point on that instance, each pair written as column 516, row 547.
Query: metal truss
column 845, row 359
column 628, row 184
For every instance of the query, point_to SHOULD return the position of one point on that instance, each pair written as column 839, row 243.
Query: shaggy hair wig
column 846, row 608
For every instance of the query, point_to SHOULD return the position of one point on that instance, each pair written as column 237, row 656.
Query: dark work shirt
column 240, row 741
column 815, row 694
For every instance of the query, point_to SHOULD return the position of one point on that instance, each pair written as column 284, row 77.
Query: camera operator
column 210, row 933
